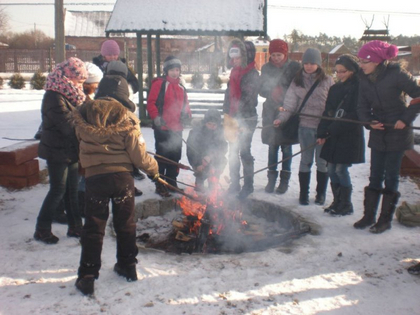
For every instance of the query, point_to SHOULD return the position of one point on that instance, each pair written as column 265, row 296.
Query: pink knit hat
column 377, row 51
column 74, row 68
column 110, row 48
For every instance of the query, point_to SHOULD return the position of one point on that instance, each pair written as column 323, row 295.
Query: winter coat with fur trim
column 110, row 139
column 58, row 141
column 271, row 78
column 345, row 143
column 382, row 98
column 249, row 84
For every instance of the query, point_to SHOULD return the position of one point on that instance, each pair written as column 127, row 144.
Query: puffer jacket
column 345, row 141
column 271, row 78
column 382, row 98
column 110, row 139
column 314, row 106
column 58, row 141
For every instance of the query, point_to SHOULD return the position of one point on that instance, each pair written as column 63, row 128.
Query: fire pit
column 186, row 226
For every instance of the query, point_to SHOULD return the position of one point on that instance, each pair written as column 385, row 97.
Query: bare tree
column 4, row 21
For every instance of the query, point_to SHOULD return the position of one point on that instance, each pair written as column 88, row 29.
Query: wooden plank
column 19, row 153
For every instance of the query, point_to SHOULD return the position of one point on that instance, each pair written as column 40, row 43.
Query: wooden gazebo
column 184, row 17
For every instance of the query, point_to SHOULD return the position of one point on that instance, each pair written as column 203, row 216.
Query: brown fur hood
column 104, row 117
column 247, row 51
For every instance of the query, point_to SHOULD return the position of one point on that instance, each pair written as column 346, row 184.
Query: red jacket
column 175, row 102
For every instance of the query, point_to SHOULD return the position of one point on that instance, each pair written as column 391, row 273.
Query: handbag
column 291, row 126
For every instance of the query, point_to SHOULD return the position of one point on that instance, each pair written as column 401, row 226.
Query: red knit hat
column 278, row 45
column 377, row 51
column 110, row 48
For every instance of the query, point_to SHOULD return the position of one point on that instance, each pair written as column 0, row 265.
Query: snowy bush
column 38, row 80
column 197, row 81
column 17, row 81
column 214, row 82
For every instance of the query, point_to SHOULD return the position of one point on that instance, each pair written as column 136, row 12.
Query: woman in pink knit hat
column 383, row 86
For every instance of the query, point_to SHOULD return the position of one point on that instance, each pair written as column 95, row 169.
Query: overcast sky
column 334, row 18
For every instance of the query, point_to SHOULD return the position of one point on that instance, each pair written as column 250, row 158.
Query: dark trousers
column 273, row 157
column 63, row 181
column 100, row 190
column 168, row 144
column 385, row 166
column 240, row 151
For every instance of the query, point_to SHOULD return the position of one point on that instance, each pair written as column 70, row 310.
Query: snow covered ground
column 340, row 271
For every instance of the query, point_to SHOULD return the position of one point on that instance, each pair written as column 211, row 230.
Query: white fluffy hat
column 94, row 73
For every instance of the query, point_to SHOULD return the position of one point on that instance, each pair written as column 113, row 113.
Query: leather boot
column 272, row 177
column 335, row 188
column 248, row 187
column 284, row 182
column 304, row 180
column 321, row 187
column 344, row 206
column 370, row 203
column 389, row 203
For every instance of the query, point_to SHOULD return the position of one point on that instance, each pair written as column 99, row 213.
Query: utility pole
column 59, row 32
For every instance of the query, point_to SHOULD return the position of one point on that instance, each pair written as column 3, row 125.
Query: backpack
column 408, row 214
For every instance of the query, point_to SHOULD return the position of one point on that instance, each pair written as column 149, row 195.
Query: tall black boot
column 284, row 182
column 304, row 180
column 82, row 204
column 321, row 187
column 389, row 203
column 344, row 206
column 335, row 188
column 248, row 187
column 370, row 203
column 272, row 177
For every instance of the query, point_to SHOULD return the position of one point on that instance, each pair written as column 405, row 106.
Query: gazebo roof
column 192, row 17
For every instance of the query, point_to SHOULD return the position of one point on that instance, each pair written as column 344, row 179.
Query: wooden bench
column 19, row 166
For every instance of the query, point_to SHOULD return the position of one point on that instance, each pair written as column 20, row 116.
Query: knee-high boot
column 389, row 203
column 304, row 180
column 344, row 206
column 321, row 187
column 335, row 188
column 370, row 203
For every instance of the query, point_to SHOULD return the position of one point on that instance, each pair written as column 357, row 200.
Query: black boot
column 86, row 284
column 272, row 177
column 284, row 182
column 81, row 200
column 129, row 272
column 304, row 180
column 389, row 203
column 344, row 206
column 321, row 187
column 248, row 187
column 335, row 188
column 370, row 203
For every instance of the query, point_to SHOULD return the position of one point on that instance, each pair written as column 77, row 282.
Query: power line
column 341, row 10
column 70, row 3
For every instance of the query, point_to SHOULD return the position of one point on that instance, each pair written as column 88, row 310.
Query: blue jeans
column 339, row 174
column 62, row 176
column 273, row 157
column 385, row 166
column 307, row 138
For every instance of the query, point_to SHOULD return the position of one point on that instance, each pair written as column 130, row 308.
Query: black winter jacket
column 346, row 144
column 382, row 98
column 250, row 84
column 131, row 78
column 58, row 140
column 272, row 77
column 203, row 142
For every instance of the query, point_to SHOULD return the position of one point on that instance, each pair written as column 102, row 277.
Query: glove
column 158, row 121
column 154, row 178
column 277, row 94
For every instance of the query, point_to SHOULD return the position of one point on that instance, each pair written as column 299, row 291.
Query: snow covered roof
column 86, row 23
column 195, row 17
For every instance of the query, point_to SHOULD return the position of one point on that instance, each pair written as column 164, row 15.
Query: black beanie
column 349, row 62
column 213, row 115
column 170, row 63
